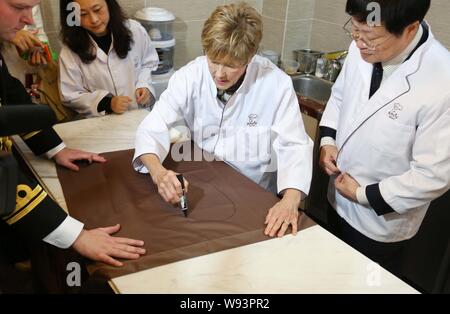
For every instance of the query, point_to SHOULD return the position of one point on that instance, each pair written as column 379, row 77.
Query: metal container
column 271, row 55
column 333, row 69
column 307, row 59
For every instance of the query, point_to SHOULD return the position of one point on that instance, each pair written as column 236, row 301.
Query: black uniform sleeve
column 36, row 215
column 327, row 132
column 377, row 201
column 12, row 92
column 42, row 141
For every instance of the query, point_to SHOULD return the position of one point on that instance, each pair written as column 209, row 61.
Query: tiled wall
column 317, row 24
column 190, row 16
column 327, row 33
column 329, row 16
column 274, row 19
column 438, row 19
column 288, row 24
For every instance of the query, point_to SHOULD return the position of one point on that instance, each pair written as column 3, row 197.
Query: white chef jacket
column 398, row 139
column 83, row 85
column 259, row 131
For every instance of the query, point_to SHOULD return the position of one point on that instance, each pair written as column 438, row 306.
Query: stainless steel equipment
column 307, row 59
column 332, row 71
column 313, row 88
column 334, row 62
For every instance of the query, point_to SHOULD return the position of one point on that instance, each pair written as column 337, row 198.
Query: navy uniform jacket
column 36, row 215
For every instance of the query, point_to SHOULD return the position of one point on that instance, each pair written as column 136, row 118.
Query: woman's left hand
column 142, row 96
column 283, row 214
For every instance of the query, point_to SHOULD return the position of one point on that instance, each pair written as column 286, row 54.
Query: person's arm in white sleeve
column 66, row 233
column 96, row 244
column 293, row 150
column 329, row 123
column 153, row 136
column 148, row 58
column 429, row 175
column 292, row 146
column 54, row 151
column 73, row 93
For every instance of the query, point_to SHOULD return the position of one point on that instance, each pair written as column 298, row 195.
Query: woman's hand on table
column 284, row 214
column 120, row 104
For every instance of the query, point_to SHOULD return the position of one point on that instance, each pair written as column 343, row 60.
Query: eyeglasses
column 364, row 36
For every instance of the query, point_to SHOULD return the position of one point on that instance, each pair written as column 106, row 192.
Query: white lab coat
column 400, row 138
column 265, row 107
column 83, row 85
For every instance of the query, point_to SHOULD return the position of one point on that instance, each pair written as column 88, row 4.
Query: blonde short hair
column 232, row 32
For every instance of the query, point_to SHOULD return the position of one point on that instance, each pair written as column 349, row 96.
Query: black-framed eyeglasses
column 355, row 34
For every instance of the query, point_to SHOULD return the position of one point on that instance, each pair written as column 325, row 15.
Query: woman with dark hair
column 106, row 60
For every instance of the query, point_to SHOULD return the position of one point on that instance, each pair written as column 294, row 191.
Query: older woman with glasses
column 385, row 129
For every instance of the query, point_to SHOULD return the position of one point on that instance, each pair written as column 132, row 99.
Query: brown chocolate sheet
column 226, row 209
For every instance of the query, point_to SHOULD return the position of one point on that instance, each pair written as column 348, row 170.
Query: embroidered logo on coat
column 252, row 120
column 395, row 112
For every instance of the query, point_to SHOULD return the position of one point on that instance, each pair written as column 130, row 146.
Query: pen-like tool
column 183, row 199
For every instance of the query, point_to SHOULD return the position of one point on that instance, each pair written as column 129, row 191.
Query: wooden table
column 313, row 261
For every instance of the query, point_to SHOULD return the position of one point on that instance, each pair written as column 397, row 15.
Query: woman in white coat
column 106, row 62
column 238, row 106
column 386, row 129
